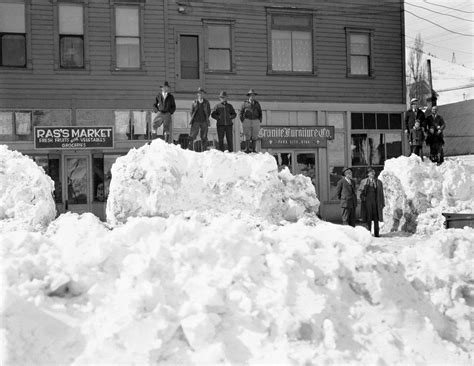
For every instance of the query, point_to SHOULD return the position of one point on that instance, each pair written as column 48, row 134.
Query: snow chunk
column 160, row 179
column 26, row 200
column 418, row 192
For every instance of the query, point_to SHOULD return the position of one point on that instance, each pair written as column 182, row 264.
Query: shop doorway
column 299, row 162
column 76, row 183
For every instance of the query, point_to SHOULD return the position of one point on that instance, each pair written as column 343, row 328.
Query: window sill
column 291, row 73
column 72, row 71
column 223, row 72
column 352, row 76
column 128, row 72
column 13, row 69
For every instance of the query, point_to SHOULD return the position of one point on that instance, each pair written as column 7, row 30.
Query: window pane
column 359, row 65
column 359, row 44
column 23, row 123
column 128, row 52
column 302, row 60
column 54, row 168
column 219, row 60
column 283, row 160
column 219, row 36
column 395, row 121
column 70, row 19
column 77, row 180
column 369, row 121
column 382, row 121
column 189, row 57
column 126, row 22
column 306, row 165
column 335, row 161
column 291, row 21
column 6, row 123
column 356, row 121
column 12, row 18
column 139, row 124
column 394, row 145
column 375, row 148
column 13, row 50
column 72, row 52
column 281, row 50
column 359, row 149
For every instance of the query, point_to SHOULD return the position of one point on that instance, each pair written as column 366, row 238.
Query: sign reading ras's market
column 274, row 137
column 74, row 137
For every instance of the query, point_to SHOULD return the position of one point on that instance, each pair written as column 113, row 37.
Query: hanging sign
column 74, row 137
column 276, row 137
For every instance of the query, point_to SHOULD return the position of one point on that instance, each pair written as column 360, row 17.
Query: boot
column 254, row 145
column 191, row 145
column 247, row 147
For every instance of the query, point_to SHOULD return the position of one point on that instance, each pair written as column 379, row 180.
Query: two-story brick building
column 78, row 79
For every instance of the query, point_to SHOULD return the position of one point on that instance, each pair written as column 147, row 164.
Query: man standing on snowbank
column 346, row 193
column 164, row 106
column 251, row 117
column 224, row 113
column 200, row 112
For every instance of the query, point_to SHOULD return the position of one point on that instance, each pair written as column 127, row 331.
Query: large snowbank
column 195, row 284
column 160, row 179
column 418, row 192
column 26, row 199
column 200, row 289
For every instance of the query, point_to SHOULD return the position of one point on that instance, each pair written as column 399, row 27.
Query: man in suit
column 200, row 112
column 413, row 114
column 346, row 193
column 164, row 107
column 435, row 125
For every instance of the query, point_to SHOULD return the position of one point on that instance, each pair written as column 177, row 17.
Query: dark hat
column 251, row 91
column 413, row 101
column 223, row 94
column 165, row 84
column 370, row 169
column 200, row 90
column 345, row 169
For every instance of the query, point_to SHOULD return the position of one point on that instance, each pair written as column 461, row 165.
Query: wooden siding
column 43, row 86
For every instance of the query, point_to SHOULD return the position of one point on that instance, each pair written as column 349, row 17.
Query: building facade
column 78, row 79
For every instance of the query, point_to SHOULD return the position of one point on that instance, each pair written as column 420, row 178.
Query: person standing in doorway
column 346, row 193
column 372, row 201
column 224, row 113
column 164, row 106
column 200, row 113
column 251, row 117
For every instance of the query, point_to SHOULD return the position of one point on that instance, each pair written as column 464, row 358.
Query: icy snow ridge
column 418, row 192
column 161, row 179
column 26, row 199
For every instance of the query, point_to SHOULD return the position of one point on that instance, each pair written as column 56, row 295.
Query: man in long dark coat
column 372, row 201
column 346, row 193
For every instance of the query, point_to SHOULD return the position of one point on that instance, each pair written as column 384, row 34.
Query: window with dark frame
column 127, row 37
column 71, row 36
column 291, row 41
column 12, row 35
column 359, row 52
column 189, row 57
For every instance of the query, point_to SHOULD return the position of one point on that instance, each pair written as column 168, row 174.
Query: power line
column 446, row 29
column 436, row 45
column 447, row 7
column 437, row 12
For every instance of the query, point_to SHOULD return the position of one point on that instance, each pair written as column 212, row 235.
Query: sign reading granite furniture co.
column 275, row 137
column 74, row 137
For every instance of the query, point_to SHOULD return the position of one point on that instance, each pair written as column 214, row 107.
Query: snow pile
column 418, row 192
column 200, row 289
column 26, row 199
column 161, row 179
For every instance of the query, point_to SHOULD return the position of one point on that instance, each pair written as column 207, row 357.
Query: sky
column 452, row 31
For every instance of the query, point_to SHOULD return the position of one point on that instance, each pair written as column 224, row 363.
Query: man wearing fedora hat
column 372, row 201
column 164, row 107
column 224, row 113
column 200, row 112
column 346, row 193
column 251, row 117
column 413, row 114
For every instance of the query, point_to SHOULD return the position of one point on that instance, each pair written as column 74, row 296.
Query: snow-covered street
column 217, row 258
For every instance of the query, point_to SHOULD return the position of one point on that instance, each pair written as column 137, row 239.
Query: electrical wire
column 437, row 12
column 446, row 29
column 447, row 7
column 436, row 45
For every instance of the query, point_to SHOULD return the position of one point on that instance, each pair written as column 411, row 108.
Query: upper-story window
column 219, row 50
column 12, row 35
column 359, row 52
column 127, row 37
column 291, row 40
column 71, row 36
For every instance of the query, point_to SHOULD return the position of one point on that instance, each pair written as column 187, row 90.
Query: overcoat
column 364, row 207
column 346, row 193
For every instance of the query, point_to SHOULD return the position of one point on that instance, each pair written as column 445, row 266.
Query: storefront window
column 335, row 153
column 306, row 165
column 51, row 166
column 102, row 175
column 133, row 125
column 283, row 160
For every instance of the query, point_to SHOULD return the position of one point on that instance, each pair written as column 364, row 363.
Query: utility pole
column 432, row 92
